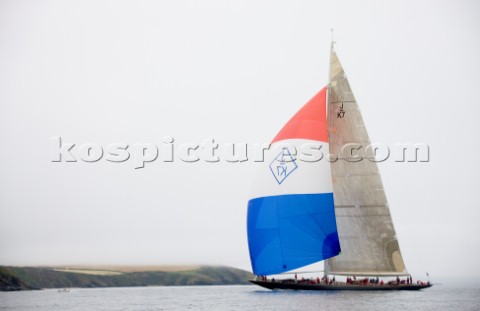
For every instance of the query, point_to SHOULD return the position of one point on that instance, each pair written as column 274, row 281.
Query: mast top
column 332, row 41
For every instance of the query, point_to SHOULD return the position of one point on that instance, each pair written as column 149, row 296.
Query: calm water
column 440, row 297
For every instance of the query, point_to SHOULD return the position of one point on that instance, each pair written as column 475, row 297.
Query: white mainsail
column 367, row 236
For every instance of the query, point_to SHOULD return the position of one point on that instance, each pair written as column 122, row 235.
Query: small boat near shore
column 64, row 290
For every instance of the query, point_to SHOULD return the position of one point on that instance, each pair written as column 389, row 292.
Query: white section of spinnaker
column 301, row 176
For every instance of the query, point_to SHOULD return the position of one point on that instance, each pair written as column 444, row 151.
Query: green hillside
column 18, row 278
column 10, row 282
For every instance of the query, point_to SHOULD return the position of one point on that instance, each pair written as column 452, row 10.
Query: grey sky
column 236, row 71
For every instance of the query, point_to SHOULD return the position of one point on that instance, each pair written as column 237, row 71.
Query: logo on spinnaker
column 283, row 165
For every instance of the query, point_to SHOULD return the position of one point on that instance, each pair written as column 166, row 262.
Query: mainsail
column 367, row 236
column 291, row 218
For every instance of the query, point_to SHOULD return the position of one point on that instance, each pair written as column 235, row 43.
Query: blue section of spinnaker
column 291, row 231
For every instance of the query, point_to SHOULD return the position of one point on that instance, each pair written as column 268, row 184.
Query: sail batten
column 365, row 227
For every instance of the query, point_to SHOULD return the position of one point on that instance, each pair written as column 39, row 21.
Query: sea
column 442, row 296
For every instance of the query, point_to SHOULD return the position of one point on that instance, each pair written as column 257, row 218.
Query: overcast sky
column 132, row 72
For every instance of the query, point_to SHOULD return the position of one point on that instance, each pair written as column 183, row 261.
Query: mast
column 326, row 268
column 330, row 67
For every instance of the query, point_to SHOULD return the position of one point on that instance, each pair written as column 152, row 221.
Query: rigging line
column 302, row 272
column 383, row 207
column 366, row 215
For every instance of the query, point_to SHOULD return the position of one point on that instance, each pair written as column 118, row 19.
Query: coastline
column 33, row 278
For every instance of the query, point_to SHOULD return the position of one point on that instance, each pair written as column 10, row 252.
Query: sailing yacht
column 331, row 208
